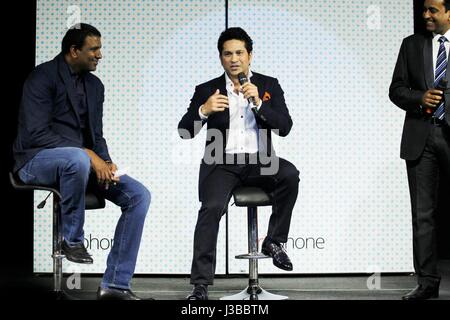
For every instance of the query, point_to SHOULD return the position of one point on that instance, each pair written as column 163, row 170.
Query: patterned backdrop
column 334, row 62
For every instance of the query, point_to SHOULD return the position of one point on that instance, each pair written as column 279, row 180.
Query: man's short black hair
column 76, row 35
column 447, row 5
column 235, row 33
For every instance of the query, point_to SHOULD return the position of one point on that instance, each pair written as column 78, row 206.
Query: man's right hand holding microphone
column 431, row 99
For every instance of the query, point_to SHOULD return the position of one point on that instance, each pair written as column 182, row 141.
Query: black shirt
column 81, row 104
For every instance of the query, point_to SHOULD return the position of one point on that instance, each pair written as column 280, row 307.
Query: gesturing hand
column 215, row 103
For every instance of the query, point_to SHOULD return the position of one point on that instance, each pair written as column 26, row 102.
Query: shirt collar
column 229, row 83
column 72, row 73
column 436, row 36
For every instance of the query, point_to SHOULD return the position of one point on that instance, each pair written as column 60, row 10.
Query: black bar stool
column 93, row 201
column 252, row 197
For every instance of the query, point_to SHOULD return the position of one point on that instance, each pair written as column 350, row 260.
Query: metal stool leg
column 254, row 290
column 253, row 282
column 57, row 241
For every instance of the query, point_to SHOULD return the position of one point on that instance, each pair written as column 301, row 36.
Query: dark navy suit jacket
column 48, row 118
column 273, row 115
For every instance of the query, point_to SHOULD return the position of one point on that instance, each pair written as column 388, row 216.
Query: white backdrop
column 334, row 62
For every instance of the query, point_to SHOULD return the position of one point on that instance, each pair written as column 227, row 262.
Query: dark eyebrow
column 430, row 8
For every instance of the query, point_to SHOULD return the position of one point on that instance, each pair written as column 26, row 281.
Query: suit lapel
column 256, row 80
column 91, row 103
column 65, row 76
column 221, row 85
column 264, row 135
column 447, row 74
column 428, row 62
column 446, row 95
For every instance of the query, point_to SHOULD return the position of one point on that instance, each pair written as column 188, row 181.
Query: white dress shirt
column 243, row 131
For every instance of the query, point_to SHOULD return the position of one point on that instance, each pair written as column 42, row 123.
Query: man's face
column 235, row 58
column 437, row 20
column 89, row 55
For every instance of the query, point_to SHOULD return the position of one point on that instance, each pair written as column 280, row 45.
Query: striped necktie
column 439, row 74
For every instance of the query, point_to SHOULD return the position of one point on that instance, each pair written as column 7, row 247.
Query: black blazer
column 273, row 114
column 413, row 76
column 47, row 117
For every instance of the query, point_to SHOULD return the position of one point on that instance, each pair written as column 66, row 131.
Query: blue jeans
column 69, row 168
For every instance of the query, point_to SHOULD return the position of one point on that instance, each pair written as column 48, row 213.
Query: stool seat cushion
column 93, row 200
column 251, row 197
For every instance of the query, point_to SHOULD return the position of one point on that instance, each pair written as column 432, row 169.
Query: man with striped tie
column 419, row 86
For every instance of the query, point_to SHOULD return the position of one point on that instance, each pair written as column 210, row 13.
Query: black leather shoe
column 200, row 292
column 279, row 257
column 76, row 253
column 117, row 294
column 422, row 293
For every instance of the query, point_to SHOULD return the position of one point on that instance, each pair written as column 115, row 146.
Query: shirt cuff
column 202, row 116
column 259, row 105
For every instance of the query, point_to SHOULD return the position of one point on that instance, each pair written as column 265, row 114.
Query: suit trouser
column 216, row 192
column 423, row 177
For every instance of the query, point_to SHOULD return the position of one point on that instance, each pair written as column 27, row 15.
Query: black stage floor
column 297, row 287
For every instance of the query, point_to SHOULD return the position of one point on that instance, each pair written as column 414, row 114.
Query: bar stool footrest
column 257, row 255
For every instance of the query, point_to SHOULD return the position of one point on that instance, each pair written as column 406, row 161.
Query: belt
column 241, row 158
column 437, row 122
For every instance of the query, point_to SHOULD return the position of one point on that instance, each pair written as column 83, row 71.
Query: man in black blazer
column 418, row 88
column 240, row 119
column 60, row 143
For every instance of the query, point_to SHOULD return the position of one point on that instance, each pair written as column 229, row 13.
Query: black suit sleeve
column 400, row 91
column 274, row 112
column 191, row 123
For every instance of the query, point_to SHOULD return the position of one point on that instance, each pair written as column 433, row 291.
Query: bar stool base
column 260, row 294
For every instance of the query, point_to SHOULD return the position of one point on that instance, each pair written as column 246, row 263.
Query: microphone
column 442, row 86
column 42, row 204
column 243, row 79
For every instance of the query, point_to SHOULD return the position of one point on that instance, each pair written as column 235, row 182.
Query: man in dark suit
column 240, row 118
column 60, row 142
column 418, row 88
